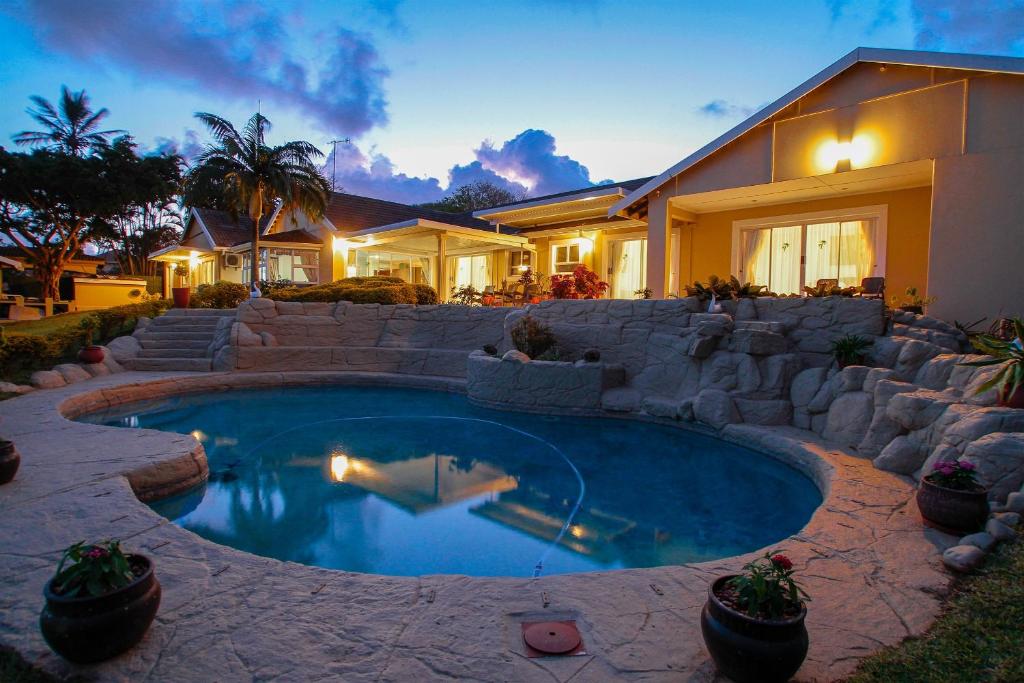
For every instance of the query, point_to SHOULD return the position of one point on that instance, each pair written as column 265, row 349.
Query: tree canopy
column 70, row 127
column 479, row 195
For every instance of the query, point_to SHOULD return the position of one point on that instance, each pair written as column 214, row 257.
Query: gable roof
column 292, row 236
column 941, row 60
column 352, row 212
column 224, row 229
column 625, row 186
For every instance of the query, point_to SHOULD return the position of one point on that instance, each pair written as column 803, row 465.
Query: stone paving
column 872, row 569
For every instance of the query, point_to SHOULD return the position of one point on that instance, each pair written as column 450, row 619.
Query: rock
column 902, row 456
column 96, row 369
column 685, row 410
column 912, row 356
column 243, row 335
column 919, row 409
column 659, row 406
column 757, row 342
column 47, row 379
column 818, row 422
column 110, row 361
column 935, row 373
column 999, row 531
column 999, row 458
column 963, row 558
column 801, row 418
column 71, row 372
column 823, row 399
column 885, row 389
column 874, row 376
column 806, row 384
column 777, row 372
column 981, row 540
column 1010, row 519
column 881, row 432
column 702, row 347
column 712, row 328
column 620, row 399
column 1015, row 502
column 764, row 412
column 886, row 350
column 851, row 378
column 848, row 418
column 715, row 407
column 124, row 348
column 268, row 339
column 11, row 388
column 516, row 356
column 142, row 322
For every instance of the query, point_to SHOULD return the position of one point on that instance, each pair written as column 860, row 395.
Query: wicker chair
column 872, row 288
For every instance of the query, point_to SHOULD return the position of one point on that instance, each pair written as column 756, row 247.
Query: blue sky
column 550, row 94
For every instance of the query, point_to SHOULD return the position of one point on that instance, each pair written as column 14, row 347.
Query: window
column 473, row 270
column 519, row 261
column 787, row 256
column 300, row 266
column 413, row 269
column 565, row 257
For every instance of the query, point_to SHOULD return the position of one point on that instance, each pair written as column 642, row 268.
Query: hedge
column 220, row 295
column 361, row 290
column 22, row 354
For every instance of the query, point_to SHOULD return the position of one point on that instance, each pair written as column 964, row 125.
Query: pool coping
column 872, row 568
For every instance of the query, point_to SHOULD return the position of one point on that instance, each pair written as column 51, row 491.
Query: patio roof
column 420, row 234
column 941, row 60
column 574, row 207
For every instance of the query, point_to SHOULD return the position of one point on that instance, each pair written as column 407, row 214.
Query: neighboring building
column 900, row 164
column 80, row 264
column 889, row 163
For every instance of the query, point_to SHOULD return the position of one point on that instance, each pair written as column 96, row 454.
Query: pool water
column 411, row 482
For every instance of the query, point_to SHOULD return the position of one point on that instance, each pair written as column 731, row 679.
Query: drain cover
column 552, row 637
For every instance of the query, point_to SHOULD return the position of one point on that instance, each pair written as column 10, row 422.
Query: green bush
column 361, row 290
column 220, row 295
column 535, row 339
column 22, row 354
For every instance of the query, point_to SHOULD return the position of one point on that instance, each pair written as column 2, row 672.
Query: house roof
column 225, row 230
column 623, row 187
column 942, row 60
column 292, row 237
column 350, row 212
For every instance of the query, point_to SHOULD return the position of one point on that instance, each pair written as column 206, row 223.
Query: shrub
column 850, row 349
column 725, row 289
column 592, row 355
column 467, row 295
column 361, row 290
column 532, row 337
column 583, row 283
column 219, row 295
column 425, row 295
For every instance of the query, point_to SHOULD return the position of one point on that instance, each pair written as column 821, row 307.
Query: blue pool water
column 401, row 481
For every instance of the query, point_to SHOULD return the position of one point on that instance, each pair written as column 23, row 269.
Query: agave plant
column 850, row 350
column 1008, row 353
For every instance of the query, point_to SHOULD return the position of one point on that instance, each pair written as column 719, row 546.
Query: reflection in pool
column 400, row 481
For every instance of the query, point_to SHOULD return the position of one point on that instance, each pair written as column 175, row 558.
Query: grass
column 14, row 669
column 45, row 326
column 978, row 637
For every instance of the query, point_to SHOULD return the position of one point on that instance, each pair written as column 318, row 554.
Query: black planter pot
column 92, row 629
column 749, row 650
column 10, row 460
column 952, row 510
column 918, row 310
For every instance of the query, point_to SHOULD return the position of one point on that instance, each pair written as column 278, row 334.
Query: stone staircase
column 179, row 340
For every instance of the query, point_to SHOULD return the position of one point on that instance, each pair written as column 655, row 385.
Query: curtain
column 858, row 253
column 785, row 255
column 822, row 251
column 630, row 263
column 756, row 261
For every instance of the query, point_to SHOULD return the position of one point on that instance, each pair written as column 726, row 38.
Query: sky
column 538, row 96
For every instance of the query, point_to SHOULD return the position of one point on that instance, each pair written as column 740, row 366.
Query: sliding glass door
column 629, row 267
column 787, row 257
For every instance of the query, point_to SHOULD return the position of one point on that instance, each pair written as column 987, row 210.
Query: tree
column 479, row 195
column 246, row 176
column 72, row 129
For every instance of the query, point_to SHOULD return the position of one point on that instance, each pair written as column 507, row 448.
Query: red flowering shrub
column 583, row 283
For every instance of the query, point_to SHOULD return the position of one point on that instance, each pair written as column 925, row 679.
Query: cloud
column 969, row 25
column 188, row 147
column 526, row 163
column 720, row 109
column 232, row 49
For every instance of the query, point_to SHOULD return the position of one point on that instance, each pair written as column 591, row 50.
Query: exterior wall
column 707, row 244
column 94, row 294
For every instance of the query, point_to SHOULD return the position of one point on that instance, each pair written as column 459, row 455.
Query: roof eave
column 598, row 191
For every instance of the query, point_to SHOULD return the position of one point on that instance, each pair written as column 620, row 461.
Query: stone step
column 157, row 343
column 200, row 313
column 169, row 364
column 172, row 353
column 181, row 327
column 205, row 321
column 167, row 335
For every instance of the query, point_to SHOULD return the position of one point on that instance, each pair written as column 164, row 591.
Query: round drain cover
column 552, row 637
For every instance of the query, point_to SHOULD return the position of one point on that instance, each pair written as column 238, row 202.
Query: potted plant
column 753, row 623
column 181, row 294
column 850, row 350
column 912, row 302
column 10, row 460
column 951, row 499
column 99, row 603
column 1009, row 381
column 89, row 353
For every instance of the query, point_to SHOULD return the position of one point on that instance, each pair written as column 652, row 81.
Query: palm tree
column 243, row 174
column 72, row 129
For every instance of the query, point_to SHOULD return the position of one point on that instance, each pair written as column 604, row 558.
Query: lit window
column 565, row 257
column 519, row 261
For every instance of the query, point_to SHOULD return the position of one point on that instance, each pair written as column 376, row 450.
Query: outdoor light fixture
column 193, row 260
column 350, row 271
column 339, row 467
column 856, row 153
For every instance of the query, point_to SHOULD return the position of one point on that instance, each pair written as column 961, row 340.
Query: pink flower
column 966, row 465
column 95, row 552
column 782, row 562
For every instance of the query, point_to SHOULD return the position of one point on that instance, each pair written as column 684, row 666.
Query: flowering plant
column 95, row 569
column 583, row 283
column 766, row 589
column 954, row 474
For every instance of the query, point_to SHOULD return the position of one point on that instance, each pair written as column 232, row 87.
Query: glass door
column 629, row 267
column 473, row 270
column 771, row 257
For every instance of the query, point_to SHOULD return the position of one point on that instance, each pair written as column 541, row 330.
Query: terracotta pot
column 487, row 300
column 749, row 650
column 181, row 295
column 1012, row 400
column 90, row 354
column 10, row 460
column 952, row 510
column 534, row 299
column 92, row 629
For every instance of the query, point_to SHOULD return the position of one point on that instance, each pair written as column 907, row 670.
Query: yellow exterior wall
column 94, row 294
column 706, row 247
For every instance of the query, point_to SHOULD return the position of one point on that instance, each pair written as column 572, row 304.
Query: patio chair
column 872, row 288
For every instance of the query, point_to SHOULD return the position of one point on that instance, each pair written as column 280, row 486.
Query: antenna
column 334, row 157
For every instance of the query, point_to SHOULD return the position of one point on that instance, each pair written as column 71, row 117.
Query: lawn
column 979, row 637
column 45, row 326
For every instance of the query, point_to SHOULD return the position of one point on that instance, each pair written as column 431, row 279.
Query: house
column 897, row 164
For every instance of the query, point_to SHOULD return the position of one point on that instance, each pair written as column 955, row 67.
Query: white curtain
column 822, row 250
column 757, row 257
column 857, row 253
column 630, row 264
column 785, row 272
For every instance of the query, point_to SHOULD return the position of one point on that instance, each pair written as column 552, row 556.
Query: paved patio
column 872, row 569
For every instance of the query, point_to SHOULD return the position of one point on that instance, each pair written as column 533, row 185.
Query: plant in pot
column 181, row 293
column 89, row 353
column 753, row 623
column 99, row 603
column 912, row 302
column 951, row 499
column 850, row 349
column 533, row 338
column 10, row 460
column 1009, row 380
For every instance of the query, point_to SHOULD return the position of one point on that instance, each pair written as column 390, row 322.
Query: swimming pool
column 412, row 482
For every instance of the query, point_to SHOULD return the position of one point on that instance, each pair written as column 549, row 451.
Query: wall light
column 585, row 244
column 858, row 152
column 340, row 245
column 193, row 260
column 350, row 271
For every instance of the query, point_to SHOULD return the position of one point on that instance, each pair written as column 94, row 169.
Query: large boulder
column 72, row 373
column 716, row 408
column 124, row 348
column 849, row 417
column 912, row 356
column 47, row 379
column 999, row 458
column 764, row 411
column 757, row 342
column 806, row 384
column 901, row 455
column 918, row 409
